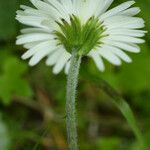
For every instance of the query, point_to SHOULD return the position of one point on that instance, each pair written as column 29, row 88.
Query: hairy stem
column 70, row 101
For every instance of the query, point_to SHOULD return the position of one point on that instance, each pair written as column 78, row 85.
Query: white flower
column 58, row 26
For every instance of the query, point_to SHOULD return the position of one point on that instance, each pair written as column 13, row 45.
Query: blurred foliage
column 4, row 135
column 11, row 81
column 37, row 121
column 108, row 143
column 7, row 12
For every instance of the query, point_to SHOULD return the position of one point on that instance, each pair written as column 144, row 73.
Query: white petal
column 67, row 67
column 59, row 7
column 30, row 45
column 77, row 4
column 118, row 53
column 84, row 13
column 117, row 9
column 131, row 11
column 127, row 39
column 107, row 54
column 125, row 46
column 41, row 46
column 103, row 6
column 39, row 55
column 33, row 37
column 50, row 24
column 53, row 12
column 68, row 6
column 89, row 8
column 124, row 22
column 29, row 18
column 32, row 12
column 37, row 12
column 35, row 30
column 54, row 57
column 31, row 21
column 123, row 31
column 61, row 62
column 97, row 59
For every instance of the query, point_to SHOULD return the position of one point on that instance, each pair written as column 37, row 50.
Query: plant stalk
column 70, row 101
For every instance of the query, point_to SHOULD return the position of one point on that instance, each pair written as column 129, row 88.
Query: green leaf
column 12, row 82
column 122, row 105
column 136, row 145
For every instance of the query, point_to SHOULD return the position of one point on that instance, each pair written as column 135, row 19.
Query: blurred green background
column 32, row 100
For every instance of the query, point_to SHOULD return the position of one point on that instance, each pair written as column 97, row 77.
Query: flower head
column 59, row 26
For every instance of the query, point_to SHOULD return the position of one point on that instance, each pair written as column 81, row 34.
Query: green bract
column 81, row 37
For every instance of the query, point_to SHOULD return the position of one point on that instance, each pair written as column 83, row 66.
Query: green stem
column 70, row 101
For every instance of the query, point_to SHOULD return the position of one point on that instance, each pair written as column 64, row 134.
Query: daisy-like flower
column 59, row 26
